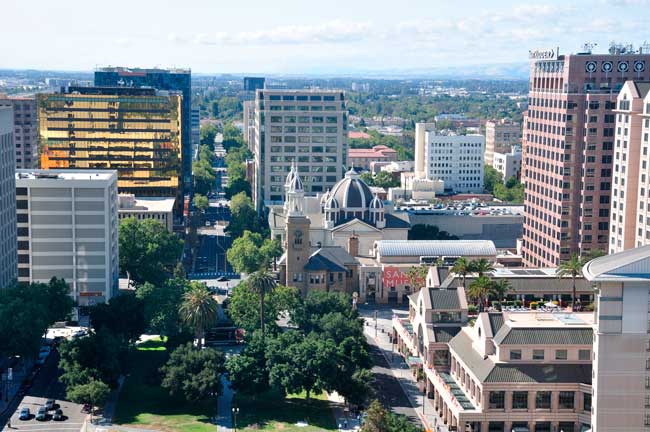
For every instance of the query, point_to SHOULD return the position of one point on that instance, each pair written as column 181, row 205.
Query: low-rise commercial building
column 68, row 228
column 158, row 209
column 508, row 164
column 362, row 158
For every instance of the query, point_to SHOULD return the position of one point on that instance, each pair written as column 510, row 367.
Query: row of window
column 566, row 400
column 313, row 98
column 304, row 108
column 305, row 139
column 560, row 354
column 294, row 119
column 304, row 129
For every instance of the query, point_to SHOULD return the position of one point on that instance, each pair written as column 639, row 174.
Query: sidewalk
column 402, row 373
column 344, row 419
column 19, row 376
column 224, row 407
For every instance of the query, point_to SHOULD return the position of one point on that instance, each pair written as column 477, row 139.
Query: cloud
column 625, row 3
column 124, row 42
column 333, row 32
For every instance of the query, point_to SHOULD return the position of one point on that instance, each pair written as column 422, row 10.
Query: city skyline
column 287, row 37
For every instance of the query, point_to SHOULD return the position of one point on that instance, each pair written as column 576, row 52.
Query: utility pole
column 376, row 324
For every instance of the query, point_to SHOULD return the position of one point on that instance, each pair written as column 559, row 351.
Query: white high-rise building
column 455, row 159
column 308, row 127
column 7, row 199
column 68, row 228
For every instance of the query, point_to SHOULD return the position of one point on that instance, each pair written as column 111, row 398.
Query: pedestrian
column 345, row 424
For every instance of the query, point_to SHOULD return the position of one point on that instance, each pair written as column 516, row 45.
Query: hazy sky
column 305, row 36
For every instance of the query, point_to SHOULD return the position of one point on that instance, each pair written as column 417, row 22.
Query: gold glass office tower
column 136, row 131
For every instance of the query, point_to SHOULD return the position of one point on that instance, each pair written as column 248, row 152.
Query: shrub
column 496, row 305
column 471, row 309
column 533, row 305
column 518, row 303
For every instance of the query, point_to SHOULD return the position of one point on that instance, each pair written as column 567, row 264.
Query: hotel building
column 568, row 151
column 7, row 199
column 630, row 224
column 305, row 127
column 136, row 131
column 67, row 228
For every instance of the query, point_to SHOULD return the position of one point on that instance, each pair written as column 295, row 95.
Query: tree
column 481, row 266
column 237, row 185
column 573, row 268
column 429, row 232
column 194, row 374
column 417, row 276
column 263, row 283
column 316, row 304
column 479, row 289
column 500, row 289
column 100, row 356
column 491, row 178
column 368, row 178
column 384, row 179
column 94, row 392
column 27, row 311
column 207, row 135
column 148, row 252
column 204, row 177
column 245, row 254
column 462, row 267
column 247, row 372
column 377, row 418
column 123, row 316
column 244, row 217
column 161, row 305
column 302, row 363
column 272, row 250
column 200, row 202
column 198, row 310
column 244, row 309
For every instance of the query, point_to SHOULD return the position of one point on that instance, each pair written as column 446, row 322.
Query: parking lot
column 72, row 422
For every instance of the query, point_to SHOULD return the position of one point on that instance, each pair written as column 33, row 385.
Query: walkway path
column 400, row 370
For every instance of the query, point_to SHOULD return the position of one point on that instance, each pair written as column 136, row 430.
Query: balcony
column 453, row 392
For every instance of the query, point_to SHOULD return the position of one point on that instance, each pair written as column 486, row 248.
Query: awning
column 414, row 361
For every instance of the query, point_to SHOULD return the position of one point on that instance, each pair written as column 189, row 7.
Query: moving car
column 24, row 414
column 58, row 415
column 49, row 404
column 41, row 415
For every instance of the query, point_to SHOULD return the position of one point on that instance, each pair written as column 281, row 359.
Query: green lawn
column 143, row 403
column 272, row 412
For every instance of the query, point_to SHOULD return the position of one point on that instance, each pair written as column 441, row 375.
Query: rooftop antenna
column 588, row 47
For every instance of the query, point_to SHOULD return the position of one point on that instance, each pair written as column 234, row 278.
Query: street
column 46, row 385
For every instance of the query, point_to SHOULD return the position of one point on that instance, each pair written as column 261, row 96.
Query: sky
column 306, row 36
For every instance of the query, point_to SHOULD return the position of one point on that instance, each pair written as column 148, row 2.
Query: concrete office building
column 568, row 150
column 134, row 130
column 25, row 129
column 508, row 164
column 455, row 159
column 305, row 127
column 158, row 209
column 500, row 137
column 175, row 80
column 621, row 365
column 68, row 228
column 630, row 224
column 248, row 125
column 8, row 254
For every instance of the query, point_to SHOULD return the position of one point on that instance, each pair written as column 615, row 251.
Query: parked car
column 58, row 415
column 24, row 414
column 50, row 404
column 41, row 415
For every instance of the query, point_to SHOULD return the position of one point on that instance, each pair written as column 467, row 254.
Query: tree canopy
column 148, row 252
column 429, row 232
column 194, row 374
column 250, row 252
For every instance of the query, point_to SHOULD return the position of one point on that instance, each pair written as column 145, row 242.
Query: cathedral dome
column 351, row 192
column 331, row 204
column 376, row 203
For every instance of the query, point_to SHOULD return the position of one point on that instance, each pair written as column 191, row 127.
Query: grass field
column 143, row 403
column 272, row 412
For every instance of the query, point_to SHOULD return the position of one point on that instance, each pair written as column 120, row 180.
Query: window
column 567, row 400
column 497, row 400
column 538, row 354
column 543, row 400
column 584, row 354
column 515, row 354
column 560, row 354
column 520, row 400
column 586, row 402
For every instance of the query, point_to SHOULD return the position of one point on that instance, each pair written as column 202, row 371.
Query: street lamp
column 235, row 411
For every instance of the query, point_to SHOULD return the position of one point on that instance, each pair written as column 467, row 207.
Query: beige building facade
column 500, row 137
column 630, row 223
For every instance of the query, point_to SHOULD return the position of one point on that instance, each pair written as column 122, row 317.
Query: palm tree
column 416, row 275
column 573, row 268
column 198, row 310
column 462, row 267
column 500, row 289
column 263, row 283
column 481, row 267
column 480, row 289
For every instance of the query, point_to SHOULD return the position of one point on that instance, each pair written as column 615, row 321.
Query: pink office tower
column 568, row 147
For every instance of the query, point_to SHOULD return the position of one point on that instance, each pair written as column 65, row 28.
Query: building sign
column 543, row 54
column 394, row 277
